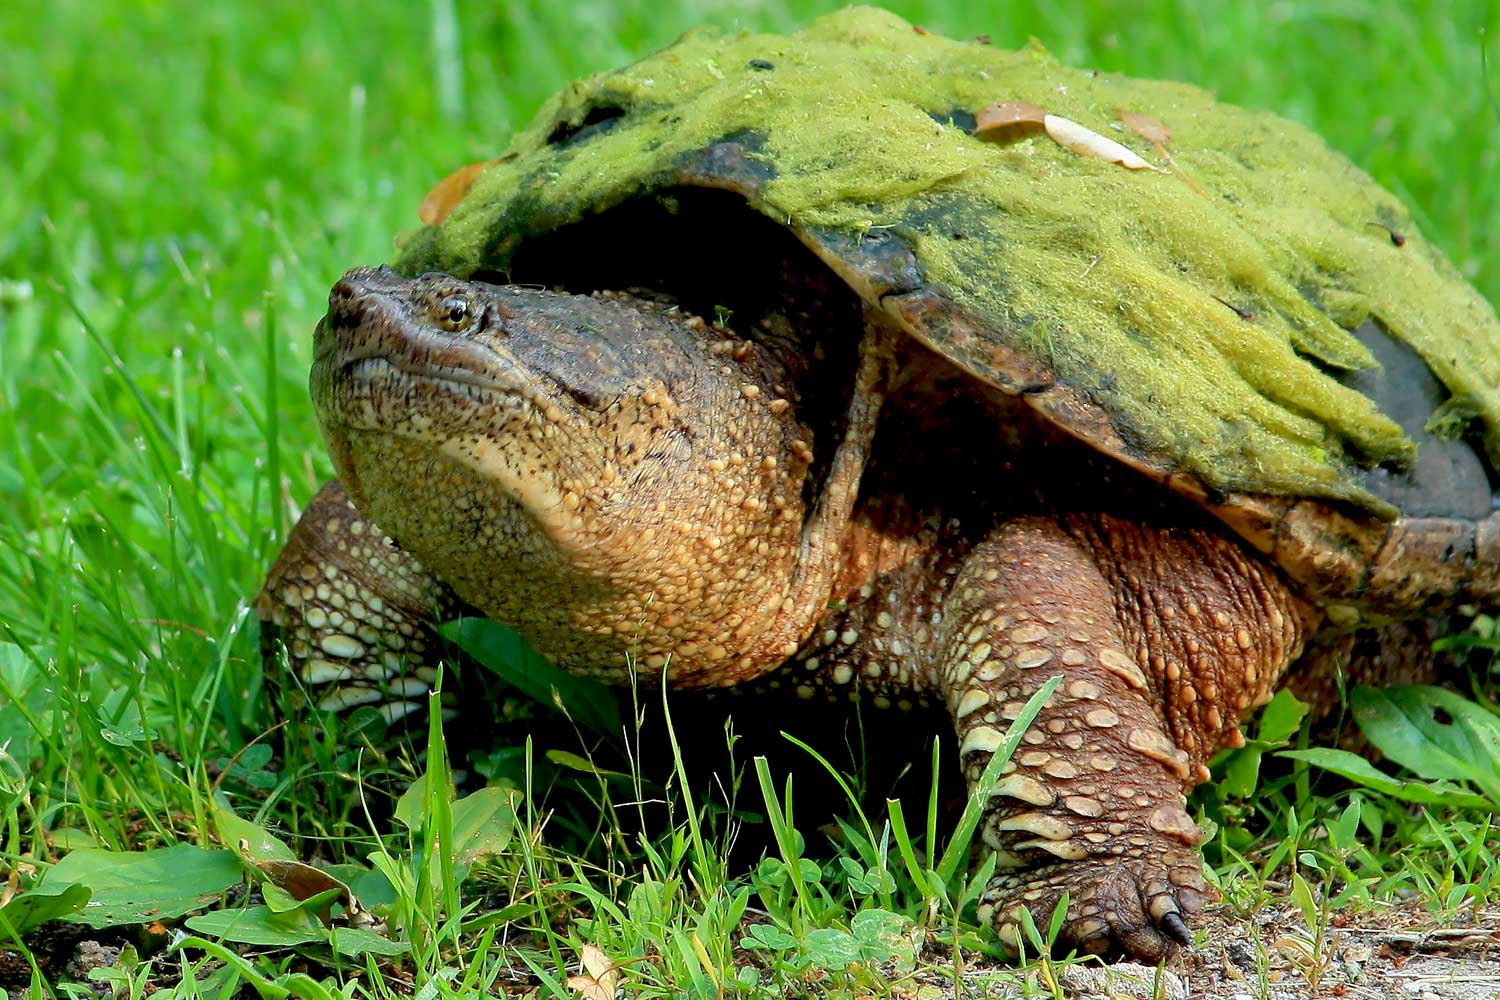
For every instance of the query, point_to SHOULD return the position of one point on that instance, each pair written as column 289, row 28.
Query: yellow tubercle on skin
column 1205, row 326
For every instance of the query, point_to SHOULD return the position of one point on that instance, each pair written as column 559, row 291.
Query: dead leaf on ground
column 1086, row 142
column 303, row 881
column 601, row 978
column 449, row 191
column 1007, row 121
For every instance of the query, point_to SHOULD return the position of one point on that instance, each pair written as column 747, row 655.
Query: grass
column 178, row 186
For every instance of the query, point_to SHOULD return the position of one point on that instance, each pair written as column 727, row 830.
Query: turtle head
column 611, row 477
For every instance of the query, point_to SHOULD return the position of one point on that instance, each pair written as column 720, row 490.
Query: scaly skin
column 352, row 610
column 1164, row 638
column 621, row 482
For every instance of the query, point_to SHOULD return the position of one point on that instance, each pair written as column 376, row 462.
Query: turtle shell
column 1211, row 318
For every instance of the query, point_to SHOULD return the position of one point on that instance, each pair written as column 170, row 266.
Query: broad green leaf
column 1407, row 724
column 1281, row 718
column 1242, row 770
column 133, row 888
column 767, row 936
column 482, row 824
column 1357, row 769
column 259, row 925
column 373, row 890
column 279, row 900
column 355, row 941
column 1279, row 722
column 68, row 838
column 242, row 836
column 831, row 948
column 411, row 807
column 36, row 906
column 25, row 702
column 1306, row 901
column 588, row 702
column 881, row 935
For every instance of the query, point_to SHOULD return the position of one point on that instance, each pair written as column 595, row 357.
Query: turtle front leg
column 353, row 613
column 1163, row 638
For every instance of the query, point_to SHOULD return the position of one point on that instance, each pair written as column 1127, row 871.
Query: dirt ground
column 1398, row 953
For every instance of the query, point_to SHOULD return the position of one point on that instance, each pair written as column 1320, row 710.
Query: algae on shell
column 1131, row 286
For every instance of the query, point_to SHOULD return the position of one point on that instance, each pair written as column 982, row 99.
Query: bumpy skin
column 626, row 484
column 1163, row 637
column 352, row 612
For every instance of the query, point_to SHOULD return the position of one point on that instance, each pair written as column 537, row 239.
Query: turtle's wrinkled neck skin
column 622, row 482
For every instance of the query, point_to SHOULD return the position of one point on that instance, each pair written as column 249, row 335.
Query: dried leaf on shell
column 1086, row 142
column 1158, row 135
column 1147, row 128
column 1006, row 121
column 449, row 191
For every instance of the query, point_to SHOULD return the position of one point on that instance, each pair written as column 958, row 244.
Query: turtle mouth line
column 374, row 378
column 381, row 369
column 374, row 392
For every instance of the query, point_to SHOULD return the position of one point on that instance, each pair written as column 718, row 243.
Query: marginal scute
column 1065, row 849
column 1101, row 718
column 1123, row 667
column 1175, row 822
column 1154, row 744
column 341, row 646
column 1083, row 806
column 973, row 700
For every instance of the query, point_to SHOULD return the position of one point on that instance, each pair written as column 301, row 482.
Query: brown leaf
column 602, row 979
column 1147, row 128
column 302, row 881
column 1007, row 121
column 589, row 988
column 1086, row 142
column 449, row 191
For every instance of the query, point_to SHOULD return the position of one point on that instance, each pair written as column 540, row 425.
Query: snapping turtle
column 967, row 415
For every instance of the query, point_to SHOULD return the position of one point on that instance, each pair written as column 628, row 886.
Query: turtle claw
column 1112, row 910
column 1177, row 929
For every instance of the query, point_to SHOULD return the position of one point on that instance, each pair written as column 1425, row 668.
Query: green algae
column 1204, row 309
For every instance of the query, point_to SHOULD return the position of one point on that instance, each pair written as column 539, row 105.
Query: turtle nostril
column 342, row 292
column 347, row 305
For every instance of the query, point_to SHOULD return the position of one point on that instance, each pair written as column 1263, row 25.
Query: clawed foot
column 1137, row 908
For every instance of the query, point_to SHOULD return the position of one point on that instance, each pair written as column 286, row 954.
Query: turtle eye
column 454, row 313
